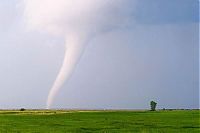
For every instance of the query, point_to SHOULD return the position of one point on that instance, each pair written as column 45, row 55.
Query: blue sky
column 170, row 11
column 155, row 58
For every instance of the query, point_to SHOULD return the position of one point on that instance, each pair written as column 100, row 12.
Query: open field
column 41, row 121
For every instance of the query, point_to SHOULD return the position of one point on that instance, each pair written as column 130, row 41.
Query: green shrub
column 153, row 105
column 22, row 109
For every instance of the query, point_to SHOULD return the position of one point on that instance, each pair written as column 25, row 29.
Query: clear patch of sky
column 167, row 11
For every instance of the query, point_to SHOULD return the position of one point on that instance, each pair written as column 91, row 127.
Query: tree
column 22, row 109
column 153, row 105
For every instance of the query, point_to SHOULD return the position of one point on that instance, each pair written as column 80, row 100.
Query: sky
column 155, row 57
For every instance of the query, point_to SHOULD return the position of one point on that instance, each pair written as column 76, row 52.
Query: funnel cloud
column 78, row 21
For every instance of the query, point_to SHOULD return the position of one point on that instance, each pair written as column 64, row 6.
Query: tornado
column 74, row 48
column 77, row 21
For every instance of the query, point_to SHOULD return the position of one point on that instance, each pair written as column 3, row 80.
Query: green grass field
column 176, row 121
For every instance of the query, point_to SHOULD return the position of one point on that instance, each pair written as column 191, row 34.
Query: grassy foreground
column 177, row 121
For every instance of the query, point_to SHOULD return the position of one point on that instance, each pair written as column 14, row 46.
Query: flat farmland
column 110, row 121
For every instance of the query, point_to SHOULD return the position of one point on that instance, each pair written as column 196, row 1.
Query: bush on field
column 22, row 109
column 153, row 105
